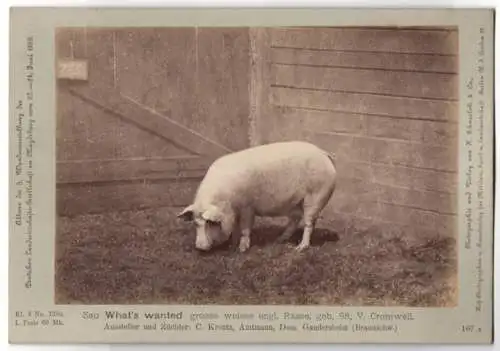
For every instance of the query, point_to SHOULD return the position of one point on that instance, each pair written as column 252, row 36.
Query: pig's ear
column 212, row 214
column 187, row 213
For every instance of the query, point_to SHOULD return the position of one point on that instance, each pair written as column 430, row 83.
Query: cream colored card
column 116, row 115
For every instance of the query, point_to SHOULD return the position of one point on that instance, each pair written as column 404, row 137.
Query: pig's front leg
column 246, row 224
column 294, row 218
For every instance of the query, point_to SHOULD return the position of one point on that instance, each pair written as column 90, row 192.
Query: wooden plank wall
column 197, row 78
column 385, row 102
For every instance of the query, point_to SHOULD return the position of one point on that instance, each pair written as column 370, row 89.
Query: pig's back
column 272, row 178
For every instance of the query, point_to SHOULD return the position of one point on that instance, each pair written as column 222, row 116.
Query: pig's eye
column 212, row 223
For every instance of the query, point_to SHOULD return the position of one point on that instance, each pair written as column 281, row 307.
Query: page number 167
column 469, row 328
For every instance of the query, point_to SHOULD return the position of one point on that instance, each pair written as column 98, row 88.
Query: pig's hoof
column 301, row 247
column 244, row 244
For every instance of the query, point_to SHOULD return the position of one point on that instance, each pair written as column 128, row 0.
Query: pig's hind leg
column 313, row 205
column 294, row 218
column 246, row 223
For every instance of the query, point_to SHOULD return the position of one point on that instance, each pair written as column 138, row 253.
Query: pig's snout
column 202, row 245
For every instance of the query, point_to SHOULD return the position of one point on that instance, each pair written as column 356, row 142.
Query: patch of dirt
column 148, row 257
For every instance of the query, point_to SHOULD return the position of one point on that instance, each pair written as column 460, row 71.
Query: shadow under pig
column 268, row 235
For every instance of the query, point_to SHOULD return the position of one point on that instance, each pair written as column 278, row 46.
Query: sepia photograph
column 257, row 166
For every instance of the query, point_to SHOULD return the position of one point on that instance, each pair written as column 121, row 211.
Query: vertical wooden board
column 70, row 42
column 62, row 43
column 223, row 81
column 100, row 52
column 156, row 68
column 260, row 68
column 81, row 132
column 87, row 132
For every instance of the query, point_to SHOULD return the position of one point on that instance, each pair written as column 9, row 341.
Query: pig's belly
column 273, row 203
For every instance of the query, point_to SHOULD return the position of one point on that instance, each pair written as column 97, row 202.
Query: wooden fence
column 161, row 104
column 385, row 102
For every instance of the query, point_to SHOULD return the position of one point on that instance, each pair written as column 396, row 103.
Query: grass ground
column 148, row 256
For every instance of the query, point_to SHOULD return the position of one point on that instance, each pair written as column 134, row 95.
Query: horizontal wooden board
column 350, row 224
column 410, row 84
column 75, row 199
column 350, row 192
column 366, row 104
column 112, row 101
column 84, row 171
column 389, row 27
column 421, row 219
column 291, row 123
column 408, row 28
column 403, row 215
column 352, row 39
column 425, row 132
column 391, row 152
column 399, row 176
column 366, row 60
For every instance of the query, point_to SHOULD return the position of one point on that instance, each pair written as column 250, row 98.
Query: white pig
column 294, row 179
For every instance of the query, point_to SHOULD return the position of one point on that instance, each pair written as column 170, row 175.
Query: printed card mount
column 277, row 176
